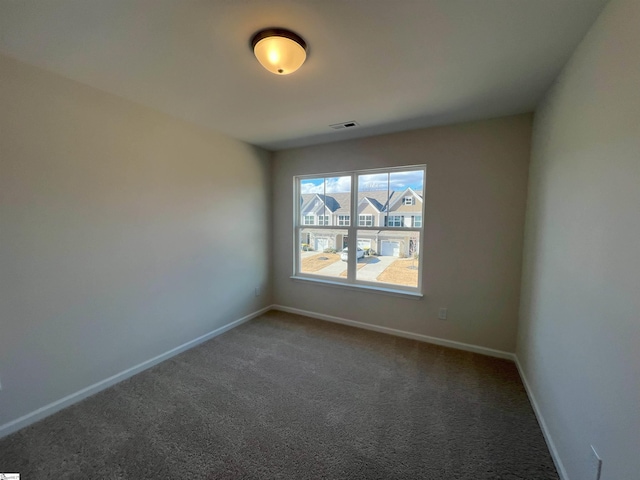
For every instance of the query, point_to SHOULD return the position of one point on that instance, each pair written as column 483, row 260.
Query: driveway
column 369, row 272
column 375, row 267
column 333, row 270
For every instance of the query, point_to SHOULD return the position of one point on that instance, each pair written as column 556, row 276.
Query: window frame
column 400, row 222
column 344, row 218
column 369, row 217
column 352, row 230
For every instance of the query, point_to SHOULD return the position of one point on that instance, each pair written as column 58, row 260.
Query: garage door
column 364, row 244
column 390, row 249
column 322, row 244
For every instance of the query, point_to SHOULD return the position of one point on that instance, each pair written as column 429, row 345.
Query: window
column 362, row 255
column 394, row 221
column 365, row 220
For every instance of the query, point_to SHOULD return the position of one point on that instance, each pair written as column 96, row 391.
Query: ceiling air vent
column 342, row 126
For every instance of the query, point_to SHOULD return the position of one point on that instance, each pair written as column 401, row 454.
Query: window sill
column 366, row 288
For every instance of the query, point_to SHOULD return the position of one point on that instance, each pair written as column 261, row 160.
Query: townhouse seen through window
column 385, row 238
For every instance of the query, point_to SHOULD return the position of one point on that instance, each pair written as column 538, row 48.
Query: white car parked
column 345, row 254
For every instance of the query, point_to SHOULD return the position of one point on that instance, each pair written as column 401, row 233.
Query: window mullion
column 352, row 230
column 297, row 212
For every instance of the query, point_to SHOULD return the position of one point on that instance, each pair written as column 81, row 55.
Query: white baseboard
column 400, row 333
column 453, row 344
column 543, row 425
column 58, row 405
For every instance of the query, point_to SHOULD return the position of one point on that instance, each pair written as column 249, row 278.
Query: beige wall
column 115, row 240
column 475, row 203
column 579, row 337
column 367, row 209
column 400, row 208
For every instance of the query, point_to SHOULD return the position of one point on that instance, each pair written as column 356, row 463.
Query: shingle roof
column 378, row 198
column 339, row 202
column 336, row 202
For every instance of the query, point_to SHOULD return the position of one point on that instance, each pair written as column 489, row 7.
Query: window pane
column 389, row 257
column 400, row 181
column 338, row 200
column 373, row 193
column 405, row 199
column 325, row 201
column 311, row 192
column 343, row 220
column 365, row 220
column 320, row 252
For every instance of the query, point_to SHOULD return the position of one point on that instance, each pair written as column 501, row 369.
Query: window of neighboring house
column 309, row 220
column 386, row 258
column 394, row 221
column 365, row 220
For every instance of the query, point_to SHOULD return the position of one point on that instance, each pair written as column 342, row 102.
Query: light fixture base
column 277, row 32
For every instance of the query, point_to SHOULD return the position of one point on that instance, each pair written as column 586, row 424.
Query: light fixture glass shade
column 279, row 54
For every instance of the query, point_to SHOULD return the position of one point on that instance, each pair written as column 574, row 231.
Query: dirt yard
column 318, row 262
column 401, row 272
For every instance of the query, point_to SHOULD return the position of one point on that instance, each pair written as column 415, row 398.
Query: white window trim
column 400, row 221
column 347, row 219
column 361, row 287
column 352, row 234
column 368, row 216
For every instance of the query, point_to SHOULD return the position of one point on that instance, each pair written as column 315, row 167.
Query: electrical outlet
column 0, row 385
column 442, row 313
column 595, row 463
column 257, row 291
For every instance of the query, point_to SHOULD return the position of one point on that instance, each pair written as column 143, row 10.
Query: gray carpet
column 288, row 397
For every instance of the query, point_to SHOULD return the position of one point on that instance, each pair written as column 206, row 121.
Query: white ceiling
column 388, row 64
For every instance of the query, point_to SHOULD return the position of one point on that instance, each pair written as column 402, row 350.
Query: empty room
column 364, row 239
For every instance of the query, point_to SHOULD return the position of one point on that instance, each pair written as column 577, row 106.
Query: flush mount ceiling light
column 278, row 50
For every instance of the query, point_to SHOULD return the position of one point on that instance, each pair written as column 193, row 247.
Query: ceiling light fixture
column 278, row 50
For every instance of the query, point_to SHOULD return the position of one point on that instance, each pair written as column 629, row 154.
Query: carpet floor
column 289, row 397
